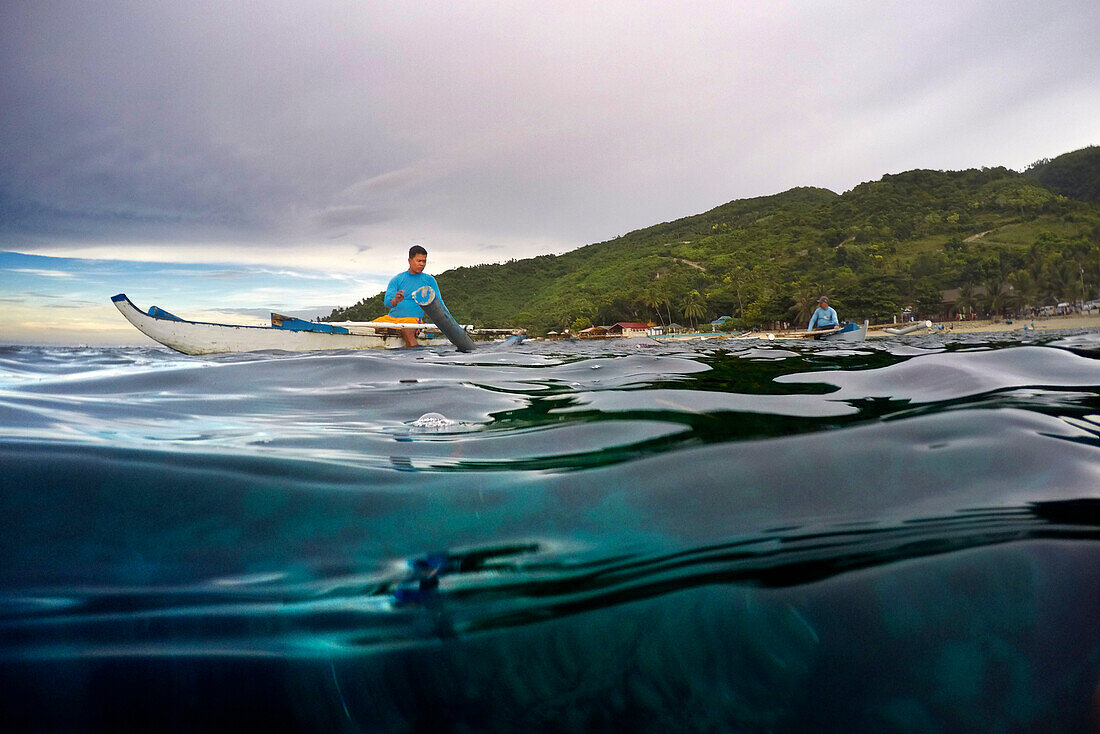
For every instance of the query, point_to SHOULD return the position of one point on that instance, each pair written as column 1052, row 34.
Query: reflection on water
column 712, row 536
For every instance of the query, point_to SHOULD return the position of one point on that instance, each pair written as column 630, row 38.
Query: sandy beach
column 1072, row 321
column 877, row 331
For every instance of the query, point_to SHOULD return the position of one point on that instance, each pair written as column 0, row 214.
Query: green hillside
column 1076, row 174
column 1023, row 238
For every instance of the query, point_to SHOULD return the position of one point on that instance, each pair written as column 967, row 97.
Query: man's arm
column 391, row 292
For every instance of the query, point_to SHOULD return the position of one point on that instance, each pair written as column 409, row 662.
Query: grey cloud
column 69, row 304
column 490, row 123
column 213, row 274
column 307, row 312
column 351, row 215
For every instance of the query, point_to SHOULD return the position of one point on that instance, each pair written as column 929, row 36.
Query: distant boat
column 286, row 333
column 849, row 333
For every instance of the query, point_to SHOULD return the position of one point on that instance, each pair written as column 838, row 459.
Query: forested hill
column 1074, row 174
column 1020, row 238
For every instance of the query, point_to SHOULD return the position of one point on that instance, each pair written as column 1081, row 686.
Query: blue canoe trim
column 162, row 314
column 293, row 324
column 159, row 313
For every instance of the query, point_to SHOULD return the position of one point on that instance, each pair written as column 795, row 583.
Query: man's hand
column 398, row 298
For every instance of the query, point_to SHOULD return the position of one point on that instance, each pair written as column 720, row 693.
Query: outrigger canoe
column 851, row 333
column 289, row 334
column 908, row 329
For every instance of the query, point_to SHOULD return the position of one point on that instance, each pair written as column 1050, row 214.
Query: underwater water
column 736, row 535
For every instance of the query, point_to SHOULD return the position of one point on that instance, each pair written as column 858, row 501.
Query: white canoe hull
column 847, row 335
column 197, row 337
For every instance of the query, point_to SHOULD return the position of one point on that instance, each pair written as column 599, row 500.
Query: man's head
column 418, row 259
column 823, row 301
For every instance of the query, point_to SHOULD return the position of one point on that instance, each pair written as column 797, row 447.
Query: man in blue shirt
column 399, row 292
column 824, row 317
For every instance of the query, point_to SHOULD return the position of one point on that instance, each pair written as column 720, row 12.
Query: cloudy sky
column 285, row 154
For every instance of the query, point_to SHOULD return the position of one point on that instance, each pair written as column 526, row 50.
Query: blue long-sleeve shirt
column 823, row 317
column 407, row 282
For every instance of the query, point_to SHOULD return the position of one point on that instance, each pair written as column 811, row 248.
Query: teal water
column 626, row 536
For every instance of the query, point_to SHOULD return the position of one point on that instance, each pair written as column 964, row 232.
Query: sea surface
column 721, row 536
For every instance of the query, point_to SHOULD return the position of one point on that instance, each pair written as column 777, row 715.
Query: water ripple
column 770, row 536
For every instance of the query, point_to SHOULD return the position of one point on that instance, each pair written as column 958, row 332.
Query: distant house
column 673, row 328
column 950, row 298
column 593, row 332
column 628, row 328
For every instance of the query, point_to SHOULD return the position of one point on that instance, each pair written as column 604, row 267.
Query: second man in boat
column 824, row 317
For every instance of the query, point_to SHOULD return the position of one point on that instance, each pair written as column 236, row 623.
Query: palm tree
column 1063, row 278
column 966, row 301
column 666, row 299
column 1027, row 290
column 805, row 301
column 693, row 307
column 1090, row 276
column 739, row 277
column 1074, row 275
column 996, row 295
column 654, row 300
